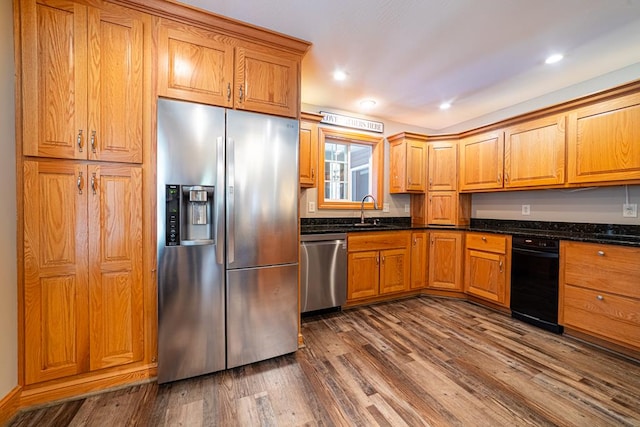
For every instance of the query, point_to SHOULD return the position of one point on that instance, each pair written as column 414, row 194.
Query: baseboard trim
column 76, row 387
column 9, row 405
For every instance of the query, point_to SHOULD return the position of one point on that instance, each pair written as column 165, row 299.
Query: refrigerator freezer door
column 191, row 301
column 262, row 193
column 191, row 324
column 262, row 319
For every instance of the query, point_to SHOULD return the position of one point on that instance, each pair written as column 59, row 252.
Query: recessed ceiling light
column 339, row 75
column 445, row 105
column 556, row 57
column 367, row 103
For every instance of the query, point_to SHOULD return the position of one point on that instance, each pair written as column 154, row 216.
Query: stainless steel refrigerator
column 227, row 244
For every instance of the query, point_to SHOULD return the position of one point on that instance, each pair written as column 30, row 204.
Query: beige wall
column 602, row 205
column 8, row 282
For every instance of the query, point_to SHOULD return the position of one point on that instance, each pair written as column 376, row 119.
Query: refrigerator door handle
column 219, row 230
column 230, row 201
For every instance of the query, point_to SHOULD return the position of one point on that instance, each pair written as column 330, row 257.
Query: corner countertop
column 627, row 235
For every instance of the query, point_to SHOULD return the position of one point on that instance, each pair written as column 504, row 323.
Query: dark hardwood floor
column 420, row 361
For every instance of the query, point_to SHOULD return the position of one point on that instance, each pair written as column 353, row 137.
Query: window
column 350, row 169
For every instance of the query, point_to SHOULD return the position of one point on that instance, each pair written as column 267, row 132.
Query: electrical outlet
column 385, row 207
column 407, row 208
column 630, row 210
column 526, row 209
column 312, row 207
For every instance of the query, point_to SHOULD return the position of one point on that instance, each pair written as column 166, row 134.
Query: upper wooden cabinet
column 443, row 166
column 481, row 161
column 266, row 82
column 309, row 149
column 603, row 141
column 83, row 287
column 82, row 81
column 208, row 67
column 408, row 163
column 195, row 65
column 534, row 153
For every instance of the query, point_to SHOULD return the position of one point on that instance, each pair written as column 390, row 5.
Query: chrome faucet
column 375, row 206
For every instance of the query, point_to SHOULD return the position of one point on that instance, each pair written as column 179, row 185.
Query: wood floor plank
column 417, row 362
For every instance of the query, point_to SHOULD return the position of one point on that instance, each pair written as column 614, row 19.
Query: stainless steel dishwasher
column 323, row 271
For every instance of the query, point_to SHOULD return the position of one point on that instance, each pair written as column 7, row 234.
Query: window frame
column 377, row 166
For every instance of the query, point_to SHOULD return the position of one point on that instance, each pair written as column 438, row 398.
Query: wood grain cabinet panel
column 194, row 65
column 266, row 82
column 55, row 267
column 83, row 268
column 408, row 163
column 378, row 263
column 115, row 251
column 481, row 161
column 487, row 267
column 534, row 153
column 445, row 260
column 603, row 300
column 603, row 141
column 443, row 166
column 419, row 259
column 82, row 81
column 309, row 149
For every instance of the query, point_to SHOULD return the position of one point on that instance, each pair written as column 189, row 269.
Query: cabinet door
column 363, row 274
column 534, row 153
column 416, row 166
column 419, row 260
column 443, row 208
column 394, row 270
column 194, row 65
column 56, row 325
column 115, row 250
column 397, row 167
column 266, row 83
column 481, row 161
column 445, row 261
column 443, row 166
column 603, row 141
column 308, row 153
column 485, row 275
column 115, row 85
column 54, row 79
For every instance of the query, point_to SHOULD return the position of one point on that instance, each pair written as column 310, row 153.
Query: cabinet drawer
column 378, row 240
column 487, row 242
column 608, row 268
column 610, row 316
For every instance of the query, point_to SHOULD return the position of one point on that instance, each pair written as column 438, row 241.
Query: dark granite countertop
column 627, row 235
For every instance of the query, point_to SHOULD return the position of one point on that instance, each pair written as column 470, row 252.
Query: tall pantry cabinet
column 82, row 98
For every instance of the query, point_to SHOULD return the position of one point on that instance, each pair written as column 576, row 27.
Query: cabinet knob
column 241, row 94
column 484, row 239
column 313, row 173
column 79, row 183
column 228, row 92
column 600, row 253
column 93, row 141
column 600, row 297
column 93, row 183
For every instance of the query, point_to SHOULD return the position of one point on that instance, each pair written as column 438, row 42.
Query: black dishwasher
column 534, row 281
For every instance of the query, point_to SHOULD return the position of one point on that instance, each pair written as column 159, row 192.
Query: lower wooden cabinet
column 419, row 259
column 487, row 267
column 378, row 263
column 445, row 260
column 83, row 287
column 602, row 299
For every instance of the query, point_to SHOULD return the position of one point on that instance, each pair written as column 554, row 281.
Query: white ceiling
column 484, row 56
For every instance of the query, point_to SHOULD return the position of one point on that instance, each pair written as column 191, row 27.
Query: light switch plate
column 630, row 210
column 407, row 208
column 312, row 207
column 526, row 209
column 385, row 207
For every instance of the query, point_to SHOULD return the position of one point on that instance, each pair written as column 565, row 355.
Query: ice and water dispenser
column 189, row 214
